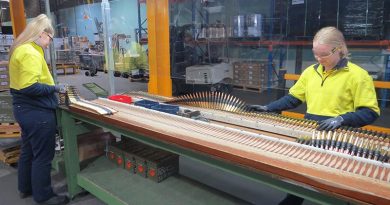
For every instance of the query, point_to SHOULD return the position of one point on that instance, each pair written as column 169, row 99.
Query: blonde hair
column 34, row 28
column 333, row 37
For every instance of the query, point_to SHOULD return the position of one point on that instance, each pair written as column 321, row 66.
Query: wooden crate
column 9, row 130
column 10, row 155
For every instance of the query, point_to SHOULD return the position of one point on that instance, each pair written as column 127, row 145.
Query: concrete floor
column 9, row 194
column 248, row 190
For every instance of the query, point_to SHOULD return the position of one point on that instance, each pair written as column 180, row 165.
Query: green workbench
column 115, row 185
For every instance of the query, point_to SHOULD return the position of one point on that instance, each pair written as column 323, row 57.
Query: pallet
column 9, row 130
column 249, row 88
column 10, row 155
column 67, row 68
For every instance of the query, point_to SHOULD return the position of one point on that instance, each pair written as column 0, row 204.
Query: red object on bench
column 121, row 98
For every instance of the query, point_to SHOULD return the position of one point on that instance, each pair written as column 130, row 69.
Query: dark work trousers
column 37, row 151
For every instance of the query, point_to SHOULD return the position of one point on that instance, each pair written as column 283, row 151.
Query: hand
column 61, row 88
column 330, row 124
column 257, row 108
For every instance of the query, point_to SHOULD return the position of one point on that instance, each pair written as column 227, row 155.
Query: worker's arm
column 365, row 102
column 366, row 106
column 285, row 103
column 38, row 89
column 363, row 116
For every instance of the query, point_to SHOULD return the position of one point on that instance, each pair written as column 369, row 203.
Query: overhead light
column 5, row 0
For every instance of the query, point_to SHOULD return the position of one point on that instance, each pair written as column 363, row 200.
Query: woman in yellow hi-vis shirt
column 34, row 103
column 337, row 92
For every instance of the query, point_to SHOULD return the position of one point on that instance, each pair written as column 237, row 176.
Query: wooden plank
column 382, row 84
column 11, row 161
column 293, row 114
column 377, row 128
column 289, row 76
column 249, row 88
column 9, row 130
column 15, row 135
column 10, row 155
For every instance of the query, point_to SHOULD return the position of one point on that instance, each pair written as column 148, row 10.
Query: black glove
column 61, row 88
column 257, row 108
column 331, row 123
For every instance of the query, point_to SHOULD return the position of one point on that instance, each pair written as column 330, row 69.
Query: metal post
column 139, row 21
column 281, row 83
column 338, row 14
column 304, row 28
column 298, row 59
column 193, row 18
column 270, row 68
column 51, row 46
column 384, row 93
column 365, row 30
column 272, row 14
column 109, row 57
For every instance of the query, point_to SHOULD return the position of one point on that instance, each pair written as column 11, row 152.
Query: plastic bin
column 146, row 103
column 172, row 109
column 121, row 98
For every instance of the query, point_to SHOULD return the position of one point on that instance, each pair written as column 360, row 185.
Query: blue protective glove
column 257, row 108
column 61, row 88
column 331, row 123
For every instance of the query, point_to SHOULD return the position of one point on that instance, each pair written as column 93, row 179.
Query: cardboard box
column 140, row 159
column 93, row 144
column 4, row 76
column 115, row 154
column 161, row 165
column 147, row 161
column 130, row 156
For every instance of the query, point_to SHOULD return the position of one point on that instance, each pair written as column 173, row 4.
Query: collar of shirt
column 37, row 47
column 343, row 63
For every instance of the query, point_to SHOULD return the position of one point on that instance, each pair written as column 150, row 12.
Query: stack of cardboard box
column 250, row 74
column 4, row 76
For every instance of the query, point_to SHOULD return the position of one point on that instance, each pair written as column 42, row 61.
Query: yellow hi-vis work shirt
column 337, row 91
column 28, row 66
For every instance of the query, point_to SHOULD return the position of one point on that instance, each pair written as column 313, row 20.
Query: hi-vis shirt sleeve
column 30, row 70
column 299, row 88
column 365, row 95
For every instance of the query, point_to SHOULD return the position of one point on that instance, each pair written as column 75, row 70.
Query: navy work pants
column 37, row 151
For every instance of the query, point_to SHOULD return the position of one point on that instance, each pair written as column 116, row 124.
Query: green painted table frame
column 73, row 124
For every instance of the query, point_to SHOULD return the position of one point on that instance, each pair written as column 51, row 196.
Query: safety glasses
column 325, row 55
